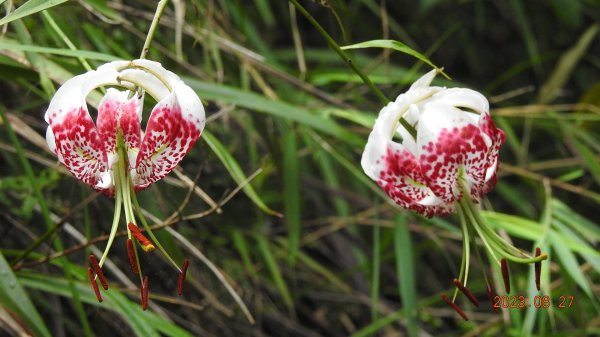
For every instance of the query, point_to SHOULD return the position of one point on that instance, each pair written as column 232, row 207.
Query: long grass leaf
column 406, row 273
column 566, row 64
column 394, row 45
column 29, row 8
column 291, row 192
column 235, row 171
column 287, row 111
column 569, row 263
column 143, row 323
column 273, row 268
column 86, row 54
column 16, row 300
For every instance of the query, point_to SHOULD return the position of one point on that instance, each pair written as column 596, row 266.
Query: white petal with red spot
column 88, row 149
column 457, row 145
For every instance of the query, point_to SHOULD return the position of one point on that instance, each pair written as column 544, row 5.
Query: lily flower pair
column 112, row 155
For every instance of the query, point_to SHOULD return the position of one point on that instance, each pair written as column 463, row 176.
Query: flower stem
column 159, row 10
column 142, row 218
column 351, row 63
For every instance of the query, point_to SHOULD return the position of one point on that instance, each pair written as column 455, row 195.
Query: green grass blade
column 291, row 192
column 569, row 263
column 287, row 111
column 241, row 244
column 16, row 300
column 235, row 171
column 405, row 272
column 394, row 45
column 85, row 54
column 375, row 272
column 143, row 323
column 273, row 268
column 566, row 65
column 29, row 8
column 379, row 324
column 264, row 9
column 590, row 159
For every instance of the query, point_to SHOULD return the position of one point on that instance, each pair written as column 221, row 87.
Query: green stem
column 463, row 275
column 116, row 218
column 471, row 219
column 142, row 218
column 153, row 26
column 350, row 63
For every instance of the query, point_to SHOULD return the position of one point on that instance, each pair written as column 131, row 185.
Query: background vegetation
column 309, row 242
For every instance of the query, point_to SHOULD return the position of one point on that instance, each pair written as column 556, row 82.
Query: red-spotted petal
column 78, row 147
column 397, row 171
column 452, row 150
column 119, row 112
column 174, row 126
column 72, row 134
column 498, row 138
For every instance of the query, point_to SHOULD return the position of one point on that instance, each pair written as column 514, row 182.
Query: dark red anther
column 94, row 284
column 538, row 268
column 505, row 276
column 466, row 291
column 491, row 293
column 145, row 293
column 147, row 246
column 184, row 268
column 98, row 272
column 454, row 306
column 131, row 255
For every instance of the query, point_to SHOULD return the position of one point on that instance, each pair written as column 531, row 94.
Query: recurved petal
column 498, row 137
column 71, row 133
column 397, row 171
column 175, row 124
column 78, row 146
column 463, row 98
column 119, row 112
column 451, row 147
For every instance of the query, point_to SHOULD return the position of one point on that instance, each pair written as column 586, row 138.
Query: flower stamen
column 131, row 255
column 505, row 275
column 98, row 271
column 455, row 307
column 181, row 279
column 538, row 268
column 94, row 284
column 491, row 293
column 144, row 293
column 466, row 291
column 147, row 246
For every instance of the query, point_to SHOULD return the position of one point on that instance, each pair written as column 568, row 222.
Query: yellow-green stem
column 153, row 26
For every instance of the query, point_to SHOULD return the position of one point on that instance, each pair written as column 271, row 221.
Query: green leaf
column 405, row 271
column 16, row 300
column 236, row 172
column 395, row 45
column 143, row 323
column 273, row 268
column 291, row 192
column 566, row 65
column 29, row 8
column 58, row 51
column 589, row 157
column 287, row 111
column 569, row 263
